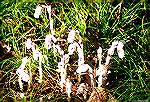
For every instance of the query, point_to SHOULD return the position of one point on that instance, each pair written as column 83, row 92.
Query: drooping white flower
column 7, row 47
column 81, row 88
column 120, row 50
column 37, row 11
column 71, row 36
column 49, row 39
column 84, row 68
column 115, row 43
column 29, row 43
column 68, row 87
column 23, row 74
column 111, row 51
column 37, row 55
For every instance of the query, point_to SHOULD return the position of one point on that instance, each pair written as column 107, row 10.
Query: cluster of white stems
column 102, row 69
column 75, row 44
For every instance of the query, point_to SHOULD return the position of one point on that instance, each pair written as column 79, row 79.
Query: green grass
column 98, row 24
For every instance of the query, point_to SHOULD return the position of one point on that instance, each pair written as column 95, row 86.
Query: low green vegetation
column 99, row 24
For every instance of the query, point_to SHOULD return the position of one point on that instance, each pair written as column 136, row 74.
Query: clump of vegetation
column 98, row 24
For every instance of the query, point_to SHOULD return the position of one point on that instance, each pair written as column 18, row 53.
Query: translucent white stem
column 37, row 11
column 120, row 50
column 71, row 36
column 29, row 43
column 100, row 80
column 99, row 54
column 51, row 26
column 80, row 55
column 20, row 83
column 68, row 87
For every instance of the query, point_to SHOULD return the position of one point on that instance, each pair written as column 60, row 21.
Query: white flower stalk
column 23, row 76
column 111, row 51
column 100, row 80
column 68, row 87
column 37, row 11
column 100, row 72
column 61, row 66
column 38, row 57
column 24, row 61
column 71, row 36
column 99, row 55
column 49, row 39
column 51, row 26
column 29, row 43
column 62, row 81
column 120, row 50
column 80, row 54
column 63, row 74
column 57, row 49
column 107, row 60
column 65, row 59
column 109, row 54
column 20, row 82
column 51, row 20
